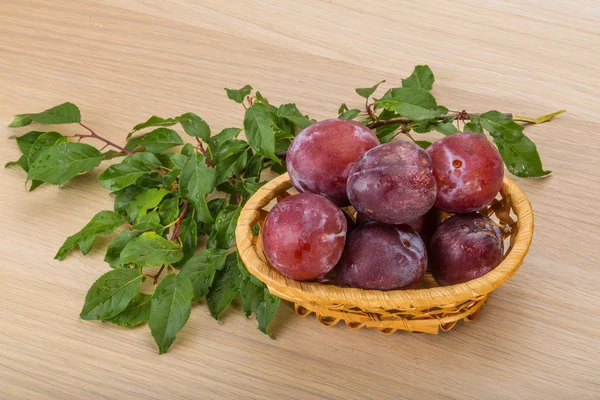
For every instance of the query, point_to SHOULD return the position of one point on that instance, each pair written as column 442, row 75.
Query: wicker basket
column 421, row 310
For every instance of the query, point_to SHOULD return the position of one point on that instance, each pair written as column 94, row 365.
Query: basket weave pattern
column 419, row 310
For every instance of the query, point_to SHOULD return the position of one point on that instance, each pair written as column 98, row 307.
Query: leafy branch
column 168, row 193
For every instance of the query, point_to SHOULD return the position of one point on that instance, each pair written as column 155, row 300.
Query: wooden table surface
column 122, row 61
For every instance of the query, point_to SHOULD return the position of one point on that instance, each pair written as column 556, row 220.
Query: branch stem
column 108, row 142
column 408, row 121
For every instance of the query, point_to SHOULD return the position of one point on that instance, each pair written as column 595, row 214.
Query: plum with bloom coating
column 393, row 183
column 320, row 157
column 383, row 257
column 468, row 170
column 304, row 236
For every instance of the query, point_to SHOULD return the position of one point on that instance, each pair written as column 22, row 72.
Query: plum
column 465, row 247
column 468, row 170
column 304, row 236
column 382, row 257
column 393, row 183
column 320, row 157
column 425, row 225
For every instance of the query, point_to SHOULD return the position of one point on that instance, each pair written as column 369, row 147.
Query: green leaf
column 156, row 141
column 258, row 125
column 223, row 233
column 343, row 107
column 103, row 223
column 254, row 166
column 423, row 143
column 45, row 140
column 196, row 181
column 230, row 158
column 125, row 197
column 27, row 140
column 119, row 176
column 169, row 210
column 413, row 103
column 150, row 249
column 63, row 161
column 201, row 269
column 447, row 128
column 153, row 121
column 66, row 113
column 194, row 126
column 111, row 294
column 116, row 246
column 421, row 77
column 188, row 233
column 148, row 221
column 367, row 92
column 518, row 152
column 225, row 287
column 473, row 126
column 222, row 137
column 239, row 95
column 349, row 114
column 386, row 133
column 256, row 298
column 172, row 160
column 291, row 113
column 136, row 313
column 170, row 309
column 145, row 201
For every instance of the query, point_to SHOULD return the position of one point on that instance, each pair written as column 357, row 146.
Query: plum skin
column 468, row 170
column 465, row 247
column 320, row 157
column 303, row 236
column 393, row 183
column 382, row 257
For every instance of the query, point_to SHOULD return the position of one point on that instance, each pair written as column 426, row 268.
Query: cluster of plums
column 398, row 190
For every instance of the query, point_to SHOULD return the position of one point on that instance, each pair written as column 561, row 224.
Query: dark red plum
column 468, row 170
column 393, row 183
column 465, row 247
column 425, row 225
column 382, row 257
column 320, row 157
column 304, row 236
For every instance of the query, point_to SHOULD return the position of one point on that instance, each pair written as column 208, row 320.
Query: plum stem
column 178, row 221
column 108, row 142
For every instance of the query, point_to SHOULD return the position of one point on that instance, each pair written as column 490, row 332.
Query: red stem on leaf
column 108, row 142
column 179, row 219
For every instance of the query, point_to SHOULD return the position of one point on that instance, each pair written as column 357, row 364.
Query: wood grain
column 122, row 61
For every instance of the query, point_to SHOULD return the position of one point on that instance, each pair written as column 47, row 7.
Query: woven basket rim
column 414, row 298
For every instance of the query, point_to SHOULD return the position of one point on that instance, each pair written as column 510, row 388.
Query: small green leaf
column 222, row 137
column 259, row 128
column 539, row 120
column 116, row 246
column 239, row 95
column 119, row 176
column 169, row 210
column 170, row 309
column 150, row 249
column 254, row 166
column 343, row 107
column 201, row 270
column 225, row 287
column 414, row 103
column 291, row 113
column 45, row 140
column 145, row 201
column 103, row 223
column 256, row 298
column 447, row 128
column 27, row 140
column 517, row 150
column 367, row 92
column 137, row 312
column 421, row 77
column 125, row 197
column 230, row 158
column 423, row 143
column 147, row 222
column 111, row 294
column 223, row 233
column 188, row 233
column 66, row 113
column 194, row 126
column 156, row 141
column 473, row 126
column 196, row 181
column 63, row 161
column 153, row 121
column 350, row 114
